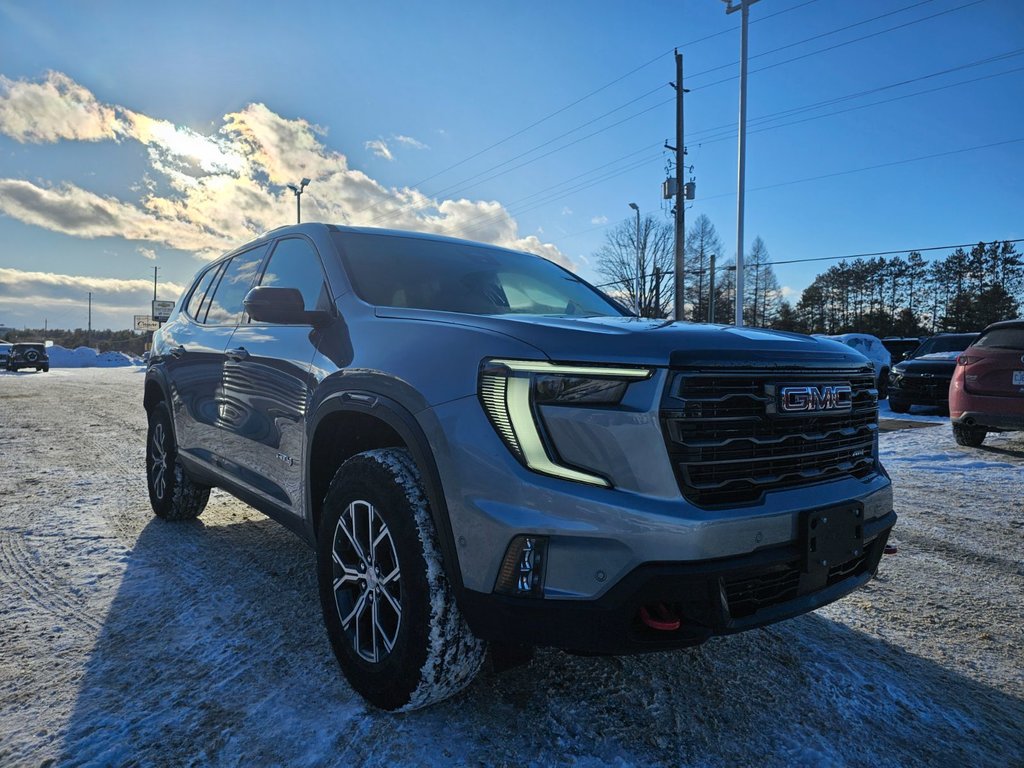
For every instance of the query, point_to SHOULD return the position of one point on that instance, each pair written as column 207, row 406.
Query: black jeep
column 28, row 355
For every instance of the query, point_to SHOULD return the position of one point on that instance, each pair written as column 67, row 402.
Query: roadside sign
column 162, row 310
column 145, row 323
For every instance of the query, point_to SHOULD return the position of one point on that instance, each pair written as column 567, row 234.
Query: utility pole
column 88, row 333
column 680, row 244
column 657, row 291
column 639, row 264
column 744, row 7
column 154, row 282
column 711, row 291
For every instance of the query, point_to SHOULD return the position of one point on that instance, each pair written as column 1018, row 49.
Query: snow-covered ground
column 127, row 640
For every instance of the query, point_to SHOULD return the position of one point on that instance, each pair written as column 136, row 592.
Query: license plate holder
column 832, row 536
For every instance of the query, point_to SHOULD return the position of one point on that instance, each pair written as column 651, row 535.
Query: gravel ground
column 125, row 640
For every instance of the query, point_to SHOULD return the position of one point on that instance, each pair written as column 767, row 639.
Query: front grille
column 728, row 446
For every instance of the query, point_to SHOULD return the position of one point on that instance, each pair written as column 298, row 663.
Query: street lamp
column 744, row 8
column 298, row 198
column 639, row 267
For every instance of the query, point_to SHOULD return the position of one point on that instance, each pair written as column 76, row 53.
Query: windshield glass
column 1003, row 338
column 409, row 272
column 956, row 343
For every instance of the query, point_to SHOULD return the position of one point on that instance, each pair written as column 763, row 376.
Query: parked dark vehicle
column 5, row 354
column 923, row 378
column 987, row 391
column 28, row 355
column 901, row 347
column 484, row 450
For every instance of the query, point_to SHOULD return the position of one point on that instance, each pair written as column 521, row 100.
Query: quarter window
column 199, row 293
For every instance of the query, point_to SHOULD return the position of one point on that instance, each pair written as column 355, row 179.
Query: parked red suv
column 987, row 390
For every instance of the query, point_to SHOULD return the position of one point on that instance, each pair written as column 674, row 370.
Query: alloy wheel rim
column 159, row 461
column 366, row 581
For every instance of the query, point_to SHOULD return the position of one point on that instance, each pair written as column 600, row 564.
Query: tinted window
column 1002, row 338
column 956, row 343
column 226, row 305
column 294, row 264
column 202, row 286
column 457, row 277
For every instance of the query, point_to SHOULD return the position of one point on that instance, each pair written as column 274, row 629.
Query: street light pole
column 639, row 266
column 744, row 7
column 298, row 190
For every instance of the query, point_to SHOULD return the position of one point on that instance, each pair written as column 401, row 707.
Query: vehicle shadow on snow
column 213, row 652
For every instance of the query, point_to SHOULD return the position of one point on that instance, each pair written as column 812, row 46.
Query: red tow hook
column 664, row 619
column 890, row 549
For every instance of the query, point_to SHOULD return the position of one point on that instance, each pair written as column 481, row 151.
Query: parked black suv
column 28, row 355
column 483, row 449
column 923, row 377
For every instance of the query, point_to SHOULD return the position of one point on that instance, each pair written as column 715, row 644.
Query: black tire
column 172, row 493
column 898, row 406
column 883, row 384
column 46, row 369
column 970, row 437
column 423, row 652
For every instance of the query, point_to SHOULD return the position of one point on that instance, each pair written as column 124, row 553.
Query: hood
column 937, row 362
column 633, row 340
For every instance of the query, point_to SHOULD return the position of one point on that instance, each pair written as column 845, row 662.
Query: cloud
column 566, row 210
column 147, row 253
column 599, row 220
column 221, row 189
column 54, row 109
column 788, row 293
column 409, row 141
column 380, row 148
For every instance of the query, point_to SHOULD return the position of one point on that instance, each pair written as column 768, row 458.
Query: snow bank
column 87, row 357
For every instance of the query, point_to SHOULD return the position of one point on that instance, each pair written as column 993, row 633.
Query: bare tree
column 701, row 242
column 653, row 282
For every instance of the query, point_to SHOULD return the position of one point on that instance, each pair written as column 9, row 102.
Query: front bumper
column 713, row 597
column 918, row 390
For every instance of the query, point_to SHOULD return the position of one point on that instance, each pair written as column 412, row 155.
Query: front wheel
column 172, row 493
column 898, row 406
column 390, row 612
column 971, row 437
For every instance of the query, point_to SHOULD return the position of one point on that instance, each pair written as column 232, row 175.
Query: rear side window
column 199, row 293
column 295, row 264
column 1003, row 338
column 226, row 307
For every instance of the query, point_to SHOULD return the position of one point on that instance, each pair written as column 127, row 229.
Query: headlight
column 509, row 390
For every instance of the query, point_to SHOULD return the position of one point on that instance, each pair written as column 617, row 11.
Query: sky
column 137, row 135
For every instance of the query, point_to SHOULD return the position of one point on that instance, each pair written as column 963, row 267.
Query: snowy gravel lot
column 125, row 640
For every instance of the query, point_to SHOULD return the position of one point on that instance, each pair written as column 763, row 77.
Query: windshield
column 955, row 343
column 410, row 272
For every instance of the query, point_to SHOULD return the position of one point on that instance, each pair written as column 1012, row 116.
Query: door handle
column 238, row 355
column 177, row 351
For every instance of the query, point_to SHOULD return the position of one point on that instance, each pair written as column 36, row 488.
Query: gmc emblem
column 828, row 397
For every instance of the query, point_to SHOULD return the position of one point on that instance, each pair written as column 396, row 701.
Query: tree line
column 898, row 296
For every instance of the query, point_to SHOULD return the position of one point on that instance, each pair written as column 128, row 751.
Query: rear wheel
column 971, row 437
column 898, row 406
column 172, row 493
column 390, row 612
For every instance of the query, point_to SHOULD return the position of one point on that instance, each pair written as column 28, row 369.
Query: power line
column 856, row 256
column 427, row 204
column 872, row 167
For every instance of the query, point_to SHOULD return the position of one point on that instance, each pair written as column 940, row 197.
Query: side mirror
column 907, row 354
column 283, row 306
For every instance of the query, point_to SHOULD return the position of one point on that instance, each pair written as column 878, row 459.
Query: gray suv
column 487, row 453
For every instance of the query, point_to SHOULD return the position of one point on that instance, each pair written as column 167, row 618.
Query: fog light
column 522, row 570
